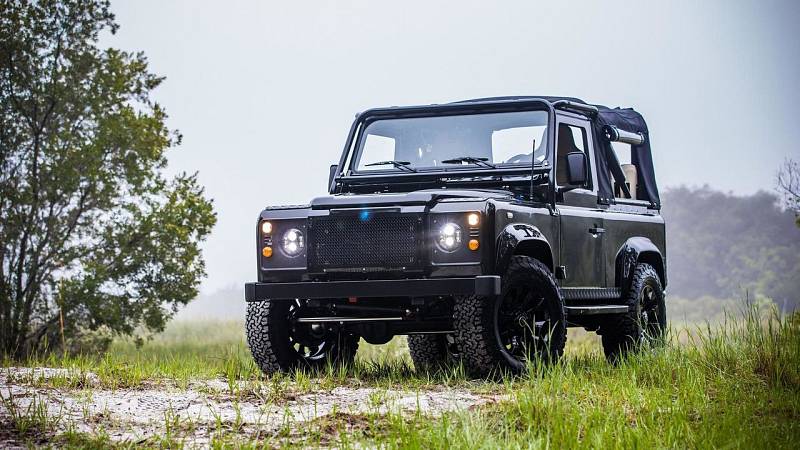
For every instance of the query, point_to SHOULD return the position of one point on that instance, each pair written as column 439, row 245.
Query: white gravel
column 205, row 406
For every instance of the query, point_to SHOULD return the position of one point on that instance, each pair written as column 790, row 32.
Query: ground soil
column 200, row 409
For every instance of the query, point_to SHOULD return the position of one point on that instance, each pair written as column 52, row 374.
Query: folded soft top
column 626, row 119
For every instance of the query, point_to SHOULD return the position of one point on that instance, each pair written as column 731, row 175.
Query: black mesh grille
column 379, row 241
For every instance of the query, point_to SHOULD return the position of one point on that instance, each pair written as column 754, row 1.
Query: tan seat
column 630, row 179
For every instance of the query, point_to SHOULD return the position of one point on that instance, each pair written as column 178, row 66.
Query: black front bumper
column 485, row 285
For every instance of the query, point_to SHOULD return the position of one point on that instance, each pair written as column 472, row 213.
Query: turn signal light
column 266, row 252
column 473, row 244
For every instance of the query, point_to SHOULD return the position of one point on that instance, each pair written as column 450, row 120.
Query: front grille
column 364, row 242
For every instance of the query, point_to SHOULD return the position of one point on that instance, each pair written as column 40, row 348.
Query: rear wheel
column 279, row 344
column 524, row 323
column 645, row 322
column 432, row 351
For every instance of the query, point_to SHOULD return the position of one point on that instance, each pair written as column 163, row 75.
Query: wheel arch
column 522, row 239
column 638, row 250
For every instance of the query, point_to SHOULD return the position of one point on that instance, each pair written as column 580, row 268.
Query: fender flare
column 635, row 250
column 525, row 239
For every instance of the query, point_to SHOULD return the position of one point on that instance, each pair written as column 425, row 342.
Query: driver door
column 581, row 220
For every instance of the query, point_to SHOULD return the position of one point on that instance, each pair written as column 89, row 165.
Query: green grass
column 738, row 387
column 734, row 384
column 210, row 349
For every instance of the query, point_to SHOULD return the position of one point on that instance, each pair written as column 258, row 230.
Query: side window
column 623, row 152
column 571, row 138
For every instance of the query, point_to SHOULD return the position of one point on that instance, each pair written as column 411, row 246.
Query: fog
column 264, row 92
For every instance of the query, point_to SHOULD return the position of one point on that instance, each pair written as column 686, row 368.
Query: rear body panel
column 624, row 222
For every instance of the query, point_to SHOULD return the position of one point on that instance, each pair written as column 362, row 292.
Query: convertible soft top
column 641, row 155
column 626, row 119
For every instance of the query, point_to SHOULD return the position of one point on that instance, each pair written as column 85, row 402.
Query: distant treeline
column 721, row 245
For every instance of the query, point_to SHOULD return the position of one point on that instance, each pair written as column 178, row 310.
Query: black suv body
column 481, row 229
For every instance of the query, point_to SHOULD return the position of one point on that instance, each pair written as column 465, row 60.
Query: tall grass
column 733, row 384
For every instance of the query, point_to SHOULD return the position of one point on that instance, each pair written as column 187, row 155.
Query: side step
column 595, row 309
column 597, row 294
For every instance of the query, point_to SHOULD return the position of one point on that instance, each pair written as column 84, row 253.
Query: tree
column 722, row 245
column 91, row 230
column 789, row 187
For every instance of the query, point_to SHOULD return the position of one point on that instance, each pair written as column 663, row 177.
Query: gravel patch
column 205, row 407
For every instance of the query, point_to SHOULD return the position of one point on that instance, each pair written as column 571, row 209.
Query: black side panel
column 582, row 243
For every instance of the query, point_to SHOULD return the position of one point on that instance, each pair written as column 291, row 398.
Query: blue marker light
column 364, row 216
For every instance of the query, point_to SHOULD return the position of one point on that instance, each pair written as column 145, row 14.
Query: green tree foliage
column 789, row 186
column 91, row 230
column 721, row 245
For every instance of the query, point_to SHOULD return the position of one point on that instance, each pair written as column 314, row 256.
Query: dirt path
column 204, row 408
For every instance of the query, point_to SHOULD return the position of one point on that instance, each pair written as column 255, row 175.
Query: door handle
column 597, row 230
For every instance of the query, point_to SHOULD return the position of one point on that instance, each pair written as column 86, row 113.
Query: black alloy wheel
column 525, row 324
column 279, row 343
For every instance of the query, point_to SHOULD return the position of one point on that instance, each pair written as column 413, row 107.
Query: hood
column 422, row 197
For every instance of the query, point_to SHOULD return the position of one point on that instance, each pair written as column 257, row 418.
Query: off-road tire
column 625, row 333
column 474, row 321
column 430, row 352
column 268, row 329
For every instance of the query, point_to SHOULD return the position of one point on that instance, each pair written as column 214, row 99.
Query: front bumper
column 484, row 285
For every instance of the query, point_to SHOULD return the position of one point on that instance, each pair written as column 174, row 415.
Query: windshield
column 441, row 142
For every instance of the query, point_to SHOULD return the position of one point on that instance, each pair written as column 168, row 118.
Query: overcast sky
column 264, row 92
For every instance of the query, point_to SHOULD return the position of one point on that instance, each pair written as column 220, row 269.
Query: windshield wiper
column 471, row 160
column 402, row 165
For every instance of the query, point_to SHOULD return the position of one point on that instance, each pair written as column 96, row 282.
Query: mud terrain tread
column 428, row 351
column 473, row 318
column 621, row 333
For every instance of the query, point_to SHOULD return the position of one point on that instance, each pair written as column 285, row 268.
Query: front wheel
column 279, row 344
column 526, row 322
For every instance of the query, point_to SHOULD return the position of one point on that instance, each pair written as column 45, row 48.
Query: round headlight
column 449, row 237
column 293, row 242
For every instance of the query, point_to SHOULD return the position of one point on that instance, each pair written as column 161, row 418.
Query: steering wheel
column 521, row 158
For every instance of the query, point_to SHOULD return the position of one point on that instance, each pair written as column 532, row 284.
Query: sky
column 264, row 92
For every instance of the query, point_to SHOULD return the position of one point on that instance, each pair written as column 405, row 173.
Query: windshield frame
column 347, row 171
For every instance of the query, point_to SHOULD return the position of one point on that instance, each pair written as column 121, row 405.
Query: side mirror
column 576, row 168
column 331, row 175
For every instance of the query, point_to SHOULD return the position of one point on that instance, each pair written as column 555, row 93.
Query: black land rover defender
column 481, row 229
